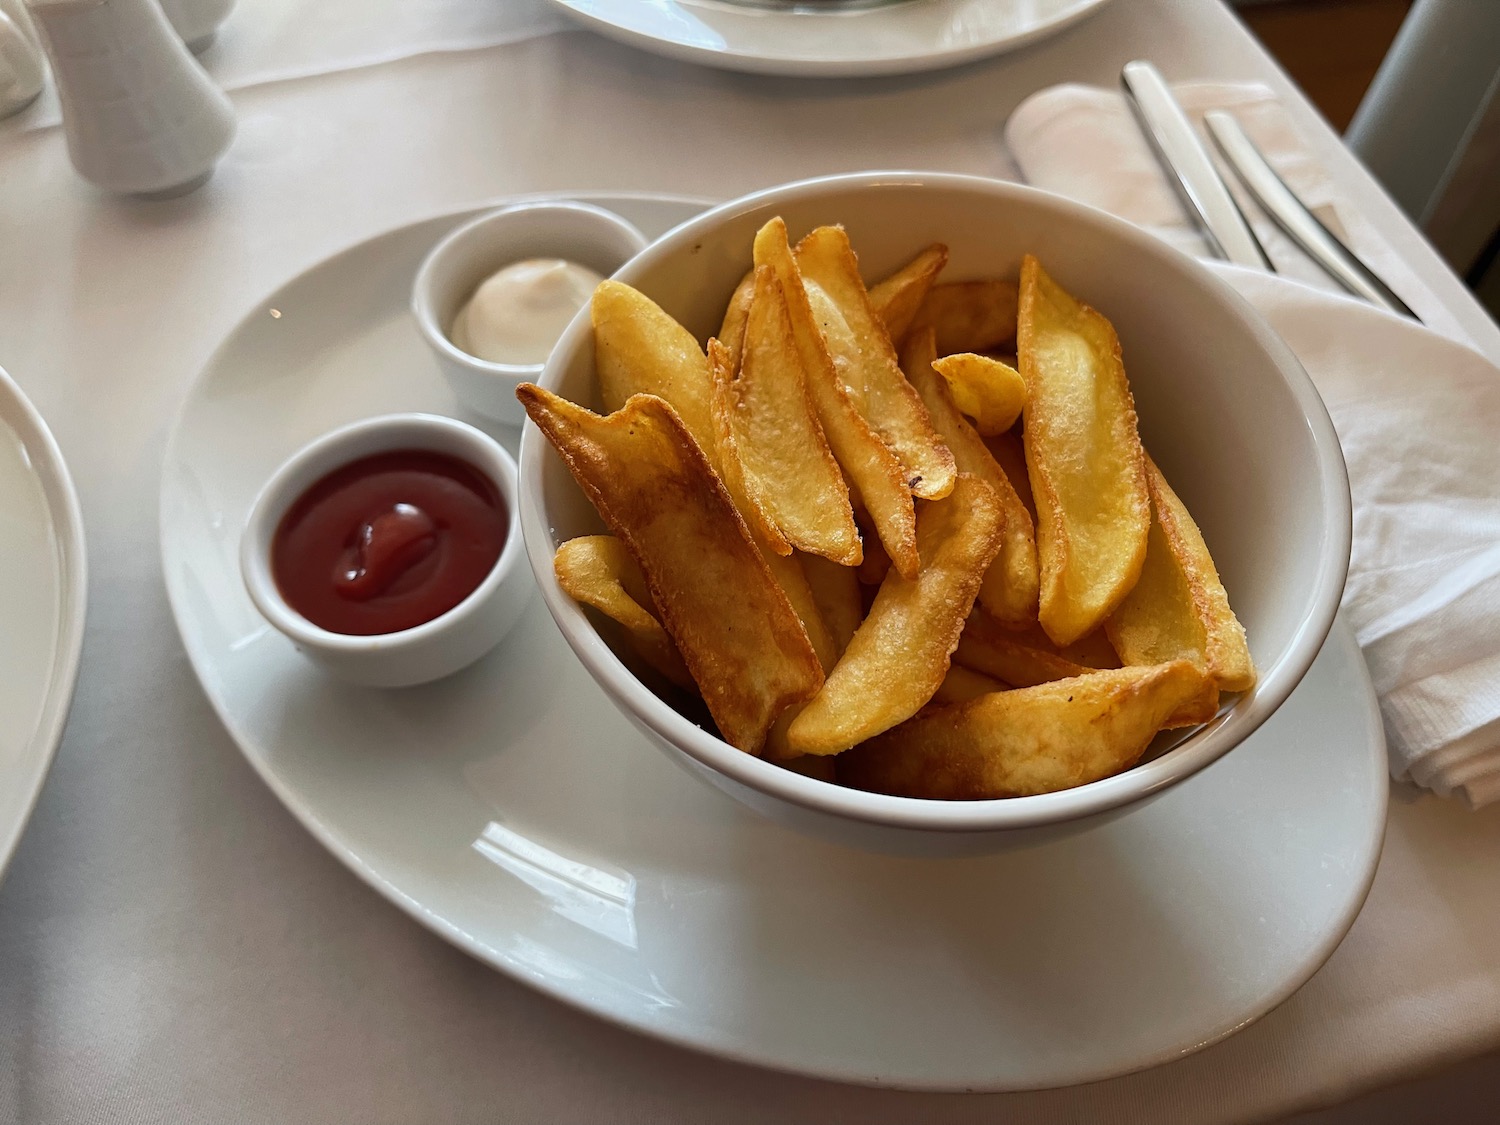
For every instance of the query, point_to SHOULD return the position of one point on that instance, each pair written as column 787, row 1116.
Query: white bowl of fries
column 877, row 535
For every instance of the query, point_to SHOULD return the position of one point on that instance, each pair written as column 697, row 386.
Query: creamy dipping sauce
column 517, row 314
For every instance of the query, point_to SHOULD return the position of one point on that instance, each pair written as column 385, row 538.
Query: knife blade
column 1289, row 213
column 1189, row 167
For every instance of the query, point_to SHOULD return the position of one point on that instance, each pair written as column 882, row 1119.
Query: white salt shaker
column 197, row 21
column 21, row 70
column 140, row 115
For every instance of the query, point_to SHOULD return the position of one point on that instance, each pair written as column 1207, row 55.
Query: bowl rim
column 1002, row 814
column 588, row 216
column 332, row 450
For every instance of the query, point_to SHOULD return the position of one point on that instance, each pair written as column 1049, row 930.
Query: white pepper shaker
column 140, row 115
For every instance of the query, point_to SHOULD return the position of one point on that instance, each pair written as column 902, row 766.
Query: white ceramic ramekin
column 577, row 232
column 1225, row 409
column 425, row 652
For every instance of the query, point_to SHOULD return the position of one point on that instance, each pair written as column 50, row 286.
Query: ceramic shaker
column 140, row 115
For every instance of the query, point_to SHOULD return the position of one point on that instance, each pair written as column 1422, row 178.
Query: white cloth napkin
column 1417, row 415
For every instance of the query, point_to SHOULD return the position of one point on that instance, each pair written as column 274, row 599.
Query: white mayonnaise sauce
column 517, row 314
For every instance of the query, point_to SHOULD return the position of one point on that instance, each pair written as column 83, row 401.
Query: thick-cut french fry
column 835, row 589
column 1012, row 657
column 789, row 575
column 988, row 392
column 1031, row 740
column 749, row 653
column 1010, row 455
column 969, row 316
column 1087, row 468
column 639, row 349
column 1009, row 590
column 770, row 443
column 897, row 298
column 892, row 408
column 1028, row 658
column 873, row 470
column 732, row 331
column 597, row 570
column 1178, row 609
column 963, row 684
column 899, row 656
column 838, row 338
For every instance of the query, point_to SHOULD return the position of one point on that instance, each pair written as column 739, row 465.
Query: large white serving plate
column 828, row 38
column 512, row 810
column 43, row 593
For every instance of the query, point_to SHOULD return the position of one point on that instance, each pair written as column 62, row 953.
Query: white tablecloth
column 174, row 947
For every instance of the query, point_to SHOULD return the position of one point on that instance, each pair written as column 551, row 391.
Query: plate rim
column 469, row 943
column 50, row 468
column 756, row 62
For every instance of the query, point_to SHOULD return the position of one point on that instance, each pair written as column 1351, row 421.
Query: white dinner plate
column 828, row 38
column 43, row 591
column 512, row 810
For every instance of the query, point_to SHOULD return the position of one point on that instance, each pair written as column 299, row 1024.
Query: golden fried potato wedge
column 1010, row 455
column 1009, row 590
column 1087, row 468
column 749, row 653
column 893, row 409
column 639, row 349
column 872, row 469
column 732, row 331
column 988, row 392
column 770, row 443
column 897, row 298
column 596, row 570
column 1030, row 740
column 963, row 684
column 835, row 589
column 899, row 655
column 1028, row 658
column 789, row 574
column 839, row 339
column 1012, row 657
column 1178, row 609
column 969, row 316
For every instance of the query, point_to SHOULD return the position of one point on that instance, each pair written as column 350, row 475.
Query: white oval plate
column 512, row 810
column 828, row 38
column 43, row 593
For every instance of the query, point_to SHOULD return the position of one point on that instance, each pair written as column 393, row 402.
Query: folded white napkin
column 1417, row 415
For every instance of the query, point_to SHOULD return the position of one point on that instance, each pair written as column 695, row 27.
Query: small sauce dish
column 580, row 233
column 413, row 547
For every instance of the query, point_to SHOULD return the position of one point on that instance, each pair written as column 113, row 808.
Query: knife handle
column 1189, row 167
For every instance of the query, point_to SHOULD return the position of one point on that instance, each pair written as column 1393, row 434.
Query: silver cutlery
column 1273, row 196
column 1189, row 167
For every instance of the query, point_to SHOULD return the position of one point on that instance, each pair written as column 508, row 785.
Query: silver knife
column 1269, row 190
column 1190, row 168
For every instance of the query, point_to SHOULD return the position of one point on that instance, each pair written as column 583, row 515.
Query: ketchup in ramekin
column 388, row 542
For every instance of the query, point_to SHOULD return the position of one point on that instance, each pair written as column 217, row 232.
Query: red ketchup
column 388, row 542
